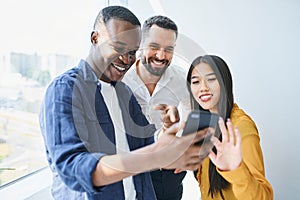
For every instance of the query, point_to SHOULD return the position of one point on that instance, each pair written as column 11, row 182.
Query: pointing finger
column 161, row 107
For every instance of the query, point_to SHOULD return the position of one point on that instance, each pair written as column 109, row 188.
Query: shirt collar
column 87, row 71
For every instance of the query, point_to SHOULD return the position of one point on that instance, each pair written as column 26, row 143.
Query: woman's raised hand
column 229, row 150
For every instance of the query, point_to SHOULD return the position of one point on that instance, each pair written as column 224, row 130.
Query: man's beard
column 152, row 70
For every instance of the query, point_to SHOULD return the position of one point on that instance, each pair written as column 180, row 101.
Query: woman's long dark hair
column 220, row 68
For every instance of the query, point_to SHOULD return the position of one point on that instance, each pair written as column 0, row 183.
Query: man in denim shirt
column 98, row 142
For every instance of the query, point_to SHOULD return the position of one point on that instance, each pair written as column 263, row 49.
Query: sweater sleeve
column 248, row 180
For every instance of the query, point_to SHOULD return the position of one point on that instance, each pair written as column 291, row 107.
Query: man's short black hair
column 162, row 22
column 116, row 12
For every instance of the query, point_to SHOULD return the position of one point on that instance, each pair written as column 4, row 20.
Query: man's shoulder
column 82, row 71
column 68, row 76
column 131, row 72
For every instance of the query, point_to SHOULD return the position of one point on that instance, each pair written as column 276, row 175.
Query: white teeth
column 120, row 68
column 206, row 97
column 157, row 62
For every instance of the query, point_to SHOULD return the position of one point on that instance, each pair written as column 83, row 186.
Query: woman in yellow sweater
column 234, row 168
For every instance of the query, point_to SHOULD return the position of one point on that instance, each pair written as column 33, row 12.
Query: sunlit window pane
column 37, row 43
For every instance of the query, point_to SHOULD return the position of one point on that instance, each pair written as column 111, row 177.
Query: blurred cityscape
column 23, row 79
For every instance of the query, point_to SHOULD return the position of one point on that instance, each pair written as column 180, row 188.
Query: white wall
column 260, row 42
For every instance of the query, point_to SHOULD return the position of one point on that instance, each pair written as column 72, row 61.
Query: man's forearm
column 168, row 152
column 113, row 168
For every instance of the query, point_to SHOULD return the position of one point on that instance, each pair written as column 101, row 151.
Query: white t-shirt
column 110, row 98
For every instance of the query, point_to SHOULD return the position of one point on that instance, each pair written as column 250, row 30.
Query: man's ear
column 94, row 37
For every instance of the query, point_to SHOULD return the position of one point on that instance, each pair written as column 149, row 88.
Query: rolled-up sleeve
column 67, row 151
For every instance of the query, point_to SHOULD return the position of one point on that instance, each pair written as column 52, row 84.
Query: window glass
column 39, row 40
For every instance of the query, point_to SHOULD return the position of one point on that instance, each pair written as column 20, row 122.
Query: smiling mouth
column 158, row 62
column 119, row 68
column 206, row 97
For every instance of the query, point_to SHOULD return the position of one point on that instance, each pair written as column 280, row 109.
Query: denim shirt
column 78, row 131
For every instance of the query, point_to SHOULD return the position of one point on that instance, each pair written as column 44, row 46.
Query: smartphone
column 198, row 120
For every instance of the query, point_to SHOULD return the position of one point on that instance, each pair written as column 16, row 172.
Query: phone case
column 198, row 120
